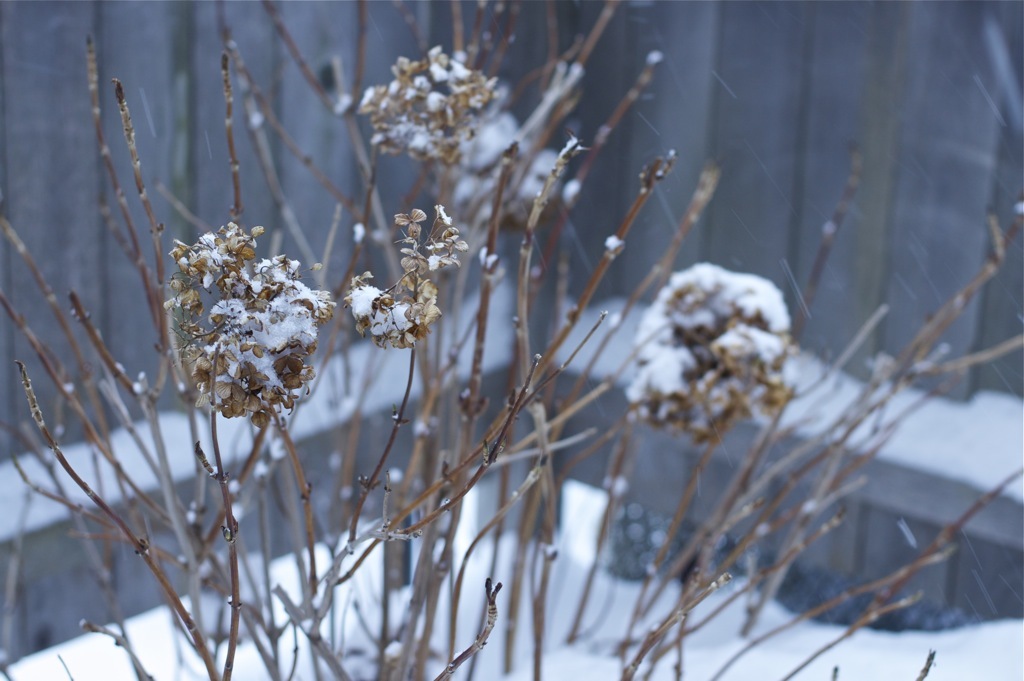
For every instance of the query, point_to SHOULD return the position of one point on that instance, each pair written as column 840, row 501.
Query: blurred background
column 774, row 92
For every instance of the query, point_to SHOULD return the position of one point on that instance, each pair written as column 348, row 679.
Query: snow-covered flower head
column 403, row 314
column 430, row 107
column 711, row 350
column 250, row 351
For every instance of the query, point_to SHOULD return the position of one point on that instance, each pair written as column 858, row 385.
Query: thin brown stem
column 653, row 174
column 305, row 492
column 229, row 130
column 600, row 140
column 673, row 619
column 828, row 236
column 481, row 639
column 230, row 532
column 154, row 287
column 398, row 420
column 140, row 544
column 927, row 666
column 595, row 33
column 296, row 54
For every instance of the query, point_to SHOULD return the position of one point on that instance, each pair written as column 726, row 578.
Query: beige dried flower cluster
column 402, row 314
column 251, row 350
column 711, row 352
column 429, row 109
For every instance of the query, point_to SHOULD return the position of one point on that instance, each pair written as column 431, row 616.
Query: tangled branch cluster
column 250, row 350
column 711, row 350
column 430, row 107
column 399, row 320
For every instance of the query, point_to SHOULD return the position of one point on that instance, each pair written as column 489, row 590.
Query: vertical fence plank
column 1003, row 309
column 946, row 155
column 609, row 73
column 322, row 31
column 135, row 45
column 829, row 122
column 674, row 113
column 756, row 105
column 7, row 379
column 51, row 199
column 878, row 134
column 261, row 51
column 988, row 582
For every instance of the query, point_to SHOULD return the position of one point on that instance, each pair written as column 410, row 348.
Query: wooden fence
column 775, row 92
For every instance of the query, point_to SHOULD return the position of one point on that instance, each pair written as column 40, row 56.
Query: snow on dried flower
column 250, row 351
column 711, row 351
column 402, row 314
column 430, row 107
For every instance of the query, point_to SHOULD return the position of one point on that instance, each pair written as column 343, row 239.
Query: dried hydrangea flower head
column 402, row 314
column 251, row 349
column 710, row 351
column 430, row 107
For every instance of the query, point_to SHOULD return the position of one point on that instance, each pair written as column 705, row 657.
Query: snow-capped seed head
column 248, row 354
column 711, row 351
column 429, row 109
column 398, row 323
column 442, row 215
column 654, row 57
column 613, row 245
column 571, row 148
column 343, row 104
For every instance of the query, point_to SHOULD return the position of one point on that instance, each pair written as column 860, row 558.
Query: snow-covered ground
column 992, row 651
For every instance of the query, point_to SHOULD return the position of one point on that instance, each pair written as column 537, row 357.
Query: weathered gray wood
column 134, row 43
column 210, row 162
column 834, row 84
column 946, row 155
column 686, row 34
column 879, row 110
column 839, row 549
column 7, row 378
column 326, row 30
column 388, row 38
column 59, row 590
column 1003, row 308
column 754, row 207
column 51, row 200
column 845, row 67
column 891, row 541
column 989, row 581
column 915, row 494
column 612, row 184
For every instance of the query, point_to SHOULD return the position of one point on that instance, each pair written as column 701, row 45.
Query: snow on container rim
column 989, row 428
